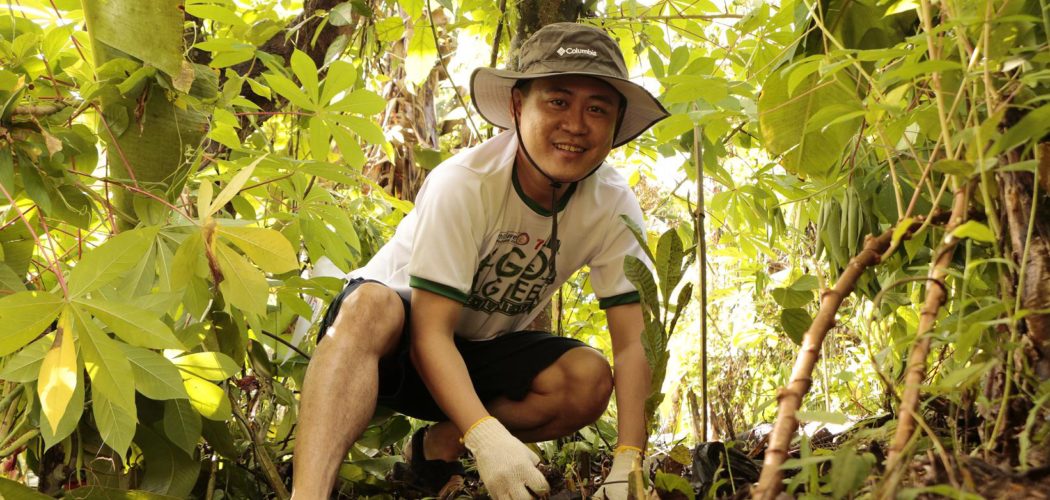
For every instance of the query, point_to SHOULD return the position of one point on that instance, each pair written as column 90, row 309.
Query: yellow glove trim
column 623, row 448
column 475, row 424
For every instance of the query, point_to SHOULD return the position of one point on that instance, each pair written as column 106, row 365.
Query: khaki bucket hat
column 567, row 49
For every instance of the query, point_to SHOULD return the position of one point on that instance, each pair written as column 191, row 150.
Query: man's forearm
column 445, row 374
column 631, row 378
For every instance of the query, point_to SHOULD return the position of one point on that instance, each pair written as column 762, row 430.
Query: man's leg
column 341, row 386
column 566, row 396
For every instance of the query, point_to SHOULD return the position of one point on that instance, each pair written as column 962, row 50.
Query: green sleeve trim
column 438, row 288
column 619, row 300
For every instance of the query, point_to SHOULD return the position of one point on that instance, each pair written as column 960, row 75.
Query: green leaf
column 783, row 119
column 156, row 377
column 975, row 231
column 791, row 298
column 901, row 229
column 269, row 249
column 668, row 483
column 288, row 90
column 103, row 493
column 236, row 183
column 207, row 398
column 642, row 279
column 320, row 138
column 14, row 489
column 215, row 13
column 805, row 283
column 341, row 77
column 116, row 423
column 306, row 71
column 795, row 322
column 1034, row 125
column 25, row 365
column 110, row 260
column 126, row 24
column 167, row 469
column 208, row 365
column 135, row 326
column 639, row 235
column 109, row 369
column 182, row 424
column 187, row 258
column 669, row 256
column 954, row 167
column 848, row 471
column 24, row 316
column 58, row 376
column 243, row 285
column 422, row 54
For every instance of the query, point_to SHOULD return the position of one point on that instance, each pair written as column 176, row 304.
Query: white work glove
column 505, row 464
column 615, row 485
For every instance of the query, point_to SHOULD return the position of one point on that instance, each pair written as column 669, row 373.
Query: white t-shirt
column 475, row 237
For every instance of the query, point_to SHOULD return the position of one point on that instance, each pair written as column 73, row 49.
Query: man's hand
column 506, row 465
column 615, row 486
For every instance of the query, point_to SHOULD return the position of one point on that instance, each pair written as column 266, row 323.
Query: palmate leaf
column 341, row 77
column 167, row 469
column 24, row 315
column 214, row 366
column 182, row 424
column 106, row 364
column 207, row 398
column 243, row 285
column 133, row 325
column 116, row 424
column 155, row 376
column 70, row 418
column 269, row 249
column 110, row 260
column 306, row 71
column 58, row 375
column 25, row 365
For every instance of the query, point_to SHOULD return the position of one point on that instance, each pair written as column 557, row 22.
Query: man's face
column 567, row 123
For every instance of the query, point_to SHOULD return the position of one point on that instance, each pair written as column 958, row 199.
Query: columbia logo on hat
column 576, row 50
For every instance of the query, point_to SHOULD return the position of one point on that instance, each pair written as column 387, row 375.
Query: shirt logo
column 562, row 51
column 513, row 237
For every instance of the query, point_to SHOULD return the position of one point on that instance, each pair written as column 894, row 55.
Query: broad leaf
column 108, row 262
column 58, row 375
column 167, row 469
column 24, row 316
column 269, row 249
column 306, row 72
column 208, row 365
column 243, row 285
column 422, row 54
column 116, row 424
column 341, row 77
column 106, row 364
column 135, row 326
column 642, row 279
column 669, row 255
column 182, row 424
column 155, row 376
column 14, row 489
column 791, row 298
column 236, row 183
column 288, row 90
column 25, row 366
column 207, row 398
column 639, row 235
column 70, row 418
column 975, row 231
column 795, row 322
column 187, row 258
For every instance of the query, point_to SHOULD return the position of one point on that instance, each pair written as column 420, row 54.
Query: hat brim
column 490, row 90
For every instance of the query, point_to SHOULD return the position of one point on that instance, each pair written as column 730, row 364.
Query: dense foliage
column 170, row 168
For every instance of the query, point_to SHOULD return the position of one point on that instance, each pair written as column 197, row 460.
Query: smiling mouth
column 570, row 148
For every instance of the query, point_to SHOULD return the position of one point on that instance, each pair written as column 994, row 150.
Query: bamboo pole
column 789, row 399
column 936, row 294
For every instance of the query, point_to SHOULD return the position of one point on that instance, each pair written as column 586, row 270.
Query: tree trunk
column 1030, row 250
column 535, row 14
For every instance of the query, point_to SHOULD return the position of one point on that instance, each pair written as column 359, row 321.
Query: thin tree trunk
column 789, row 399
column 936, row 294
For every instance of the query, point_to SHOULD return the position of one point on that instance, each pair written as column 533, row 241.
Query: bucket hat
column 567, row 49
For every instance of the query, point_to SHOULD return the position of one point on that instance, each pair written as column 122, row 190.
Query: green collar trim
column 536, row 207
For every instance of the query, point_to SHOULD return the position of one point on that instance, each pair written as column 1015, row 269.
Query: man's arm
column 631, row 374
column 440, row 365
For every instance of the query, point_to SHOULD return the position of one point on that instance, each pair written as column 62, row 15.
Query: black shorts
column 501, row 367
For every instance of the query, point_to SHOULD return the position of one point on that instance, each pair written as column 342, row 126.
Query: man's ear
column 515, row 102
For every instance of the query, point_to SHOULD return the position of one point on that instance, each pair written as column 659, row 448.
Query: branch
column 789, row 399
column 936, row 293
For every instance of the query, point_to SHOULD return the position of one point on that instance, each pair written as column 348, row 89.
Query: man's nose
column 574, row 121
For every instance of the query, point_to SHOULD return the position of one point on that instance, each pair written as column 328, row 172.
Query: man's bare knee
column 590, row 384
column 370, row 318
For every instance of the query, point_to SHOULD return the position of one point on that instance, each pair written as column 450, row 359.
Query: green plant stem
column 10, row 397
column 698, row 155
column 18, row 443
column 261, row 453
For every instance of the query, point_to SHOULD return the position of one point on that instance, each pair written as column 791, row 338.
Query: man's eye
column 597, row 109
column 558, row 102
